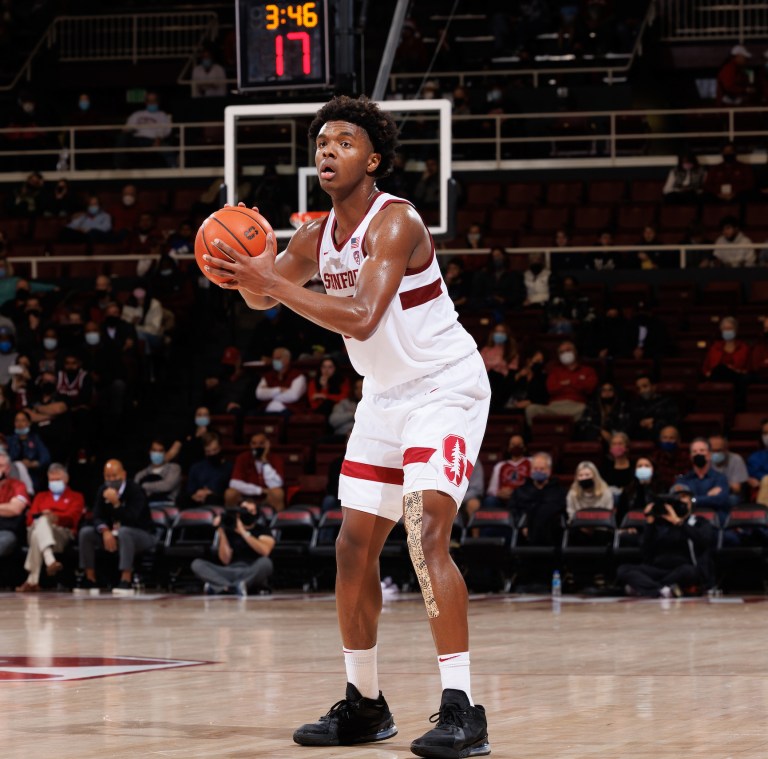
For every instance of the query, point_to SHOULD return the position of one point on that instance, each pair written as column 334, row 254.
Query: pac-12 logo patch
column 455, row 455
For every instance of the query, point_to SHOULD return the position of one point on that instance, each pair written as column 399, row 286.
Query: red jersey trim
column 386, row 474
column 319, row 246
column 470, row 468
column 340, row 246
column 417, row 455
column 384, row 205
column 420, row 295
column 424, row 267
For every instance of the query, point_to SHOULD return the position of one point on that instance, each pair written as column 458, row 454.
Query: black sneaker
column 355, row 719
column 461, row 730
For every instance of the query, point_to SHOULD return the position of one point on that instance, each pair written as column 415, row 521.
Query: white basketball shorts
column 421, row 435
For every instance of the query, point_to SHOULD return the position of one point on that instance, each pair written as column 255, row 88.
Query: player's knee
column 350, row 552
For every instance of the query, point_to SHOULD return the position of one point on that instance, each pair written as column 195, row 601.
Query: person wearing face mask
column 670, row 459
column 640, row 491
column 122, row 524
column 89, row 226
column 209, row 79
column 283, row 388
column 757, row 466
column 13, row 501
column 62, row 202
column 49, row 358
column 588, row 491
column 676, row 549
column 727, row 360
column 161, row 480
column 257, row 473
column 502, row 362
column 541, row 501
column 125, row 212
column 187, row 448
column 733, row 248
column 149, row 127
column 28, row 447
column 537, row 281
column 508, row 474
column 569, row 384
column 52, row 522
column 649, row 411
column 605, row 413
column 496, row 286
column 685, row 182
column 709, row 487
column 731, row 180
column 209, row 478
column 49, row 411
column 731, row 465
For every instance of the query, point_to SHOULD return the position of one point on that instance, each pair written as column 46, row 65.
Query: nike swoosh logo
column 441, row 659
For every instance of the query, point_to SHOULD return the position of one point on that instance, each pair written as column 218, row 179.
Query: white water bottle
column 557, row 584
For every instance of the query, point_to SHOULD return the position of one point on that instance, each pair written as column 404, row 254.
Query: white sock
column 363, row 671
column 454, row 672
column 48, row 556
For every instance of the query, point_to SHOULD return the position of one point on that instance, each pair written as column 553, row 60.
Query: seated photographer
column 245, row 543
column 708, row 486
column 676, row 547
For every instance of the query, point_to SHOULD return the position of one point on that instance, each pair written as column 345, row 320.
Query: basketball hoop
column 302, row 217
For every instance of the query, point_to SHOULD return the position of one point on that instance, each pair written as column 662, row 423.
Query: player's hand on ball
column 241, row 272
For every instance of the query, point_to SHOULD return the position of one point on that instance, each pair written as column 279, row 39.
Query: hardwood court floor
column 611, row 679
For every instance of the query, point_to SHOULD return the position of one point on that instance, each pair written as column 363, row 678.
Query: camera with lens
column 660, row 503
column 229, row 517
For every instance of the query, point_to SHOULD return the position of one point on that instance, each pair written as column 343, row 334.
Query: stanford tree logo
column 455, row 455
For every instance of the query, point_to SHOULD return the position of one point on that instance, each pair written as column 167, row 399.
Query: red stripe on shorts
column 417, row 455
column 385, row 474
column 420, row 295
column 470, row 467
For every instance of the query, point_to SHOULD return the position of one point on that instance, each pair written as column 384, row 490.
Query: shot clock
column 282, row 45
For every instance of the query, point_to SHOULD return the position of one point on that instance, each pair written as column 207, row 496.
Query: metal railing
column 589, row 139
column 727, row 20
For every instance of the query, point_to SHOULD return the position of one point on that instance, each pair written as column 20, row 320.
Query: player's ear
column 374, row 159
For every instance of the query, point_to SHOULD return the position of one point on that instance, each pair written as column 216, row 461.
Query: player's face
column 344, row 155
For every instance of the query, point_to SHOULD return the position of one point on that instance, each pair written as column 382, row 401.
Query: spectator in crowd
column 695, row 234
column 708, row 486
column 473, row 498
column 255, row 474
column 612, row 334
column 648, row 259
column 145, row 313
column 617, row 471
column 27, row 446
column 588, row 491
column 75, row 383
column 605, row 414
column 209, row 477
column 731, row 465
column 757, row 466
column 225, row 386
column 25, row 121
column 245, row 543
column 283, row 388
column 457, row 283
column 122, row 524
column 537, row 279
column 328, row 388
column 669, row 539
column 30, row 199
column 650, row 411
column 561, row 261
column 145, row 237
column 646, row 335
column 149, row 127
column 734, row 84
column 49, row 358
column 161, row 480
column 426, row 192
column 62, row 202
column 758, row 356
column 475, row 240
column 670, row 459
column 50, row 412
column 91, row 226
column 569, row 383
column 727, row 360
column 411, row 53
column 496, row 286
column 542, row 501
column 342, row 417
column 8, row 354
column 188, row 448
column 508, row 474
column 125, row 213
column 641, row 489
column 731, row 236
column 13, row 501
column 603, row 261
column 502, row 362
column 685, row 182
column 107, row 372
column 51, row 526
column 731, row 180
column 208, row 77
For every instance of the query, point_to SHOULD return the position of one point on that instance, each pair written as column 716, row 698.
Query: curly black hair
column 379, row 125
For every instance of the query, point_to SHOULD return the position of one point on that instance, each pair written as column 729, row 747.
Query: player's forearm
column 257, row 302
column 347, row 316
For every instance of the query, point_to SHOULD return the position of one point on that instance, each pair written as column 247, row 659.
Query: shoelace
column 341, row 707
column 448, row 715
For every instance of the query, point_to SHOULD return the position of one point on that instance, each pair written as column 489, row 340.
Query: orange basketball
column 243, row 229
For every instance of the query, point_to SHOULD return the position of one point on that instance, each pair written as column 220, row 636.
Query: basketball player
column 418, row 428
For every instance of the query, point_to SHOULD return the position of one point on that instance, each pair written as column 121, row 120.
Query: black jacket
column 133, row 512
column 544, row 509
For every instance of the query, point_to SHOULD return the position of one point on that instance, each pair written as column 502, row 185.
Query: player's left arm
column 396, row 239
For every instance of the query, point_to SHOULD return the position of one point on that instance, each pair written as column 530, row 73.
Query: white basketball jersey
column 419, row 332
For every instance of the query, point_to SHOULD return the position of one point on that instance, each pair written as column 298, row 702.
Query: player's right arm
column 297, row 263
